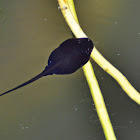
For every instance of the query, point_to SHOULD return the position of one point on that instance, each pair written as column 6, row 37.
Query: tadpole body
column 66, row 59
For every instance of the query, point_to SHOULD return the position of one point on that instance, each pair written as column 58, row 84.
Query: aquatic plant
column 68, row 10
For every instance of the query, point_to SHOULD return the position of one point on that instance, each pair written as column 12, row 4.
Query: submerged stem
column 96, row 55
column 70, row 15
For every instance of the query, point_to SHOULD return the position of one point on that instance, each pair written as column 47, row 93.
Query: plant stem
column 70, row 14
column 96, row 56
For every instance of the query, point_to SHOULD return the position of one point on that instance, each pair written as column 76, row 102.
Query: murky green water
column 61, row 107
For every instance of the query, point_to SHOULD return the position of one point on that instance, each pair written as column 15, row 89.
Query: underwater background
column 60, row 106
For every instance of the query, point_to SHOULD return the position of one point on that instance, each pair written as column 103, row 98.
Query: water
column 61, row 107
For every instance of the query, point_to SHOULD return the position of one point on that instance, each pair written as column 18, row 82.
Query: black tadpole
column 66, row 59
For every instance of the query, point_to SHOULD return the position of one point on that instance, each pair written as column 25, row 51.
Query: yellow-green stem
column 97, row 57
column 69, row 13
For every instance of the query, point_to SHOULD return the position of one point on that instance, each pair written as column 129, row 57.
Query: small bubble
column 75, row 109
column 115, row 22
column 45, row 19
column 118, row 54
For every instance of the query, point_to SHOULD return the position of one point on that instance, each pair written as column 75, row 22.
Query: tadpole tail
column 26, row 83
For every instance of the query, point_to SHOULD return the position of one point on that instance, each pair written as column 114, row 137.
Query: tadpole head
column 70, row 55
